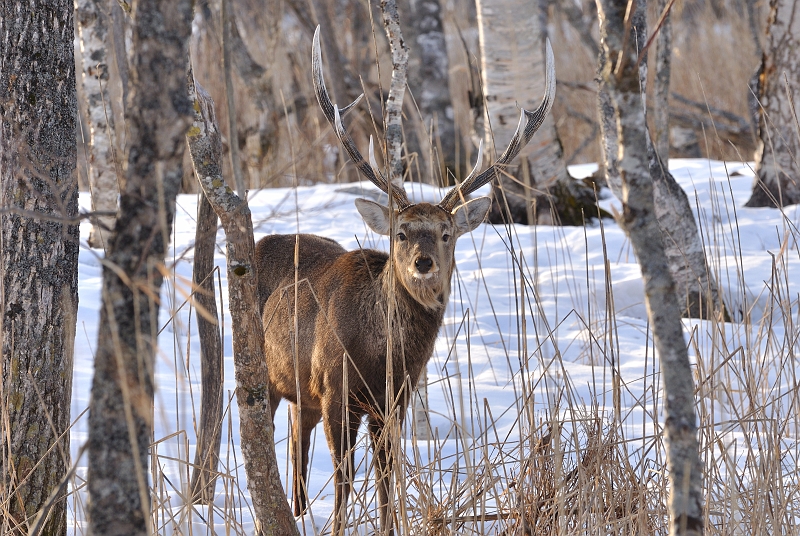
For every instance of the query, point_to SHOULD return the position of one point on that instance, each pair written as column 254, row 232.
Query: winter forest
column 403, row 267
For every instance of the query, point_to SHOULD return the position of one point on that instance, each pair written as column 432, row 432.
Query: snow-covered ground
column 574, row 333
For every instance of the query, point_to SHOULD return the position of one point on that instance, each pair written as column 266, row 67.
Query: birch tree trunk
column 778, row 154
column 511, row 34
column 431, row 132
column 397, row 90
column 512, row 52
column 121, row 407
column 94, row 24
column 696, row 289
column 39, row 243
column 270, row 506
column 621, row 77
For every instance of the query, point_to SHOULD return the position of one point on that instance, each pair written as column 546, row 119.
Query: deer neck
column 414, row 326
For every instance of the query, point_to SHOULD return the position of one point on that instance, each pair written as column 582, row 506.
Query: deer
column 348, row 333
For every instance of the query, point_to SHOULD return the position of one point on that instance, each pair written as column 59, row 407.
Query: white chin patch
column 418, row 275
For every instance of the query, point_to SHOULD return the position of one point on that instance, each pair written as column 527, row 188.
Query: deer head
column 424, row 234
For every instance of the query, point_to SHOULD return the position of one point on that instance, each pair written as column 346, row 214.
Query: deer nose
column 423, row 264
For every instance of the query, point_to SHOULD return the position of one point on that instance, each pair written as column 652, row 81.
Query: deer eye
column 401, row 237
column 445, row 237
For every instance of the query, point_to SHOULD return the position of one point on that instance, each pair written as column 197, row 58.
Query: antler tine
column 333, row 114
column 524, row 133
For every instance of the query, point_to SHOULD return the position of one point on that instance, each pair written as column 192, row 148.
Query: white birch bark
column 621, row 79
column 695, row 286
column 93, row 23
column 778, row 153
column 512, row 50
column 397, row 90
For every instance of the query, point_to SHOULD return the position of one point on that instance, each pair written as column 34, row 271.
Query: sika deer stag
column 325, row 310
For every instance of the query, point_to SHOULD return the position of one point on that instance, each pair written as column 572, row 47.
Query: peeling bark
column 622, row 81
column 121, row 407
column 270, row 506
column 94, row 22
column 39, row 243
column 778, row 154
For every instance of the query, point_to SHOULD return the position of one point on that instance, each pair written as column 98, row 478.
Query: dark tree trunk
column 209, row 434
column 38, row 256
column 428, row 71
column 121, row 408
column 661, row 84
column 621, row 78
column 778, row 155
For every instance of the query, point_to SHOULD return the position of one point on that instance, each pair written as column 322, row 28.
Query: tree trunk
column 778, row 155
column 121, row 407
column 431, row 132
column 621, row 77
column 270, row 506
column 696, row 288
column 512, row 36
column 39, row 243
column 209, row 434
column 93, row 22
column 661, row 84
column 393, row 118
column 258, row 82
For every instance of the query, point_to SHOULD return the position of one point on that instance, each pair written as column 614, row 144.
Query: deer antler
column 521, row 138
column 333, row 115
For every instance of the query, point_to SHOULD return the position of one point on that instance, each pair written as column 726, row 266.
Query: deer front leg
column 382, row 447
column 342, row 447
column 301, row 436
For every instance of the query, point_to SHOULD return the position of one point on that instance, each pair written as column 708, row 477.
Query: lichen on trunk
column 121, row 406
column 270, row 506
column 39, row 243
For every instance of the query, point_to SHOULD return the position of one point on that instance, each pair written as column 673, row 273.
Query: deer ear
column 471, row 214
column 374, row 215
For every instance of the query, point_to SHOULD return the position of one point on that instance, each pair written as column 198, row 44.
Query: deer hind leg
column 301, row 436
column 341, row 435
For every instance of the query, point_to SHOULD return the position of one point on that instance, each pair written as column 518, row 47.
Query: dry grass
column 566, row 466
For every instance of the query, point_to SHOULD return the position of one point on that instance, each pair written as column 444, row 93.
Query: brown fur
column 342, row 303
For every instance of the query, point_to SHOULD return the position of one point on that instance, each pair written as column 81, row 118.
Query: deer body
column 342, row 306
column 332, row 361
column 329, row 315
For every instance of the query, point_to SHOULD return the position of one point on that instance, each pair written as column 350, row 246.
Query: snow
column 570, row 318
